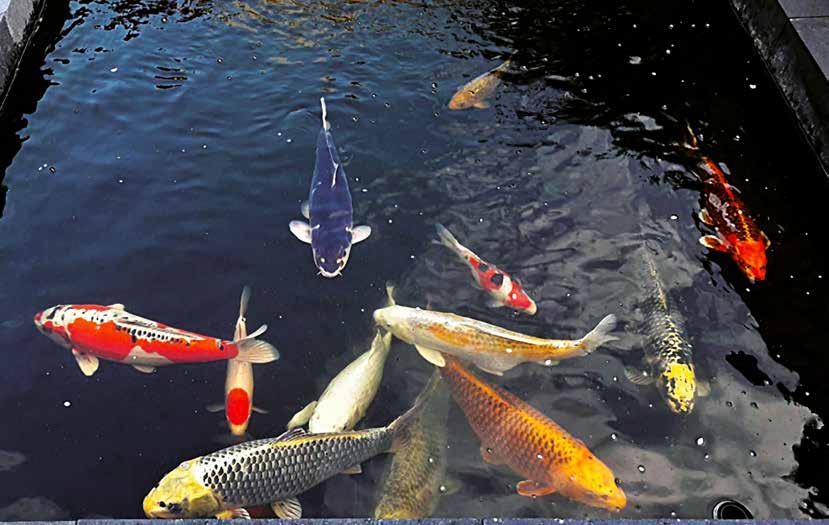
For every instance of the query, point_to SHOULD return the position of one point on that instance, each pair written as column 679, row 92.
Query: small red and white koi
column 238, row 404
column 503, row 289
column 96, row 332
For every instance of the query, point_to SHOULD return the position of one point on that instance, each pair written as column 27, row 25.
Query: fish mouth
column 336, row 273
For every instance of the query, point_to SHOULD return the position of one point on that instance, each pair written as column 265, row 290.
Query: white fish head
column 331, row 253
column 397, row 320
column 50, row 322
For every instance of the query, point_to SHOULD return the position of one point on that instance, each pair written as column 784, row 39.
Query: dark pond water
column 158, row 152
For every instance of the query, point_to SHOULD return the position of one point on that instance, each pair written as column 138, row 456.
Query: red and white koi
column 503, row 289
column 238, row 404
column 93, row 332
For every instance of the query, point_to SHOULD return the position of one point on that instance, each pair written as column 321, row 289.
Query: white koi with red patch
column 504, row 290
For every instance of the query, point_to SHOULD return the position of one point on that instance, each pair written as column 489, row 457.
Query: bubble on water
column 641, row 468
column 443, row 488
column 52, row 169
column 67, row 404
column 220, row 60
column 752, row 453
column 729, row 404
column 706, row 457
column 754, row 404
column 752, row 86
column 613, row 436
column 289, row 140
column 431, row 459
column 635, row 60
column 674, row 216
column 113, row 70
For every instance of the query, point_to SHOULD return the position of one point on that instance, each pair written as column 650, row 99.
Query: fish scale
column 261, row 472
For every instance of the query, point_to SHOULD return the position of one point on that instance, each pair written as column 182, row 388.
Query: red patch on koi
column 743, row 239
column 238, row 406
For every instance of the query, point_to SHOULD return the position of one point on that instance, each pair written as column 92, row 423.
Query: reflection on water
column 175, row 142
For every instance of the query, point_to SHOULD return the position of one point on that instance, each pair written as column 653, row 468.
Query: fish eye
column 162, row 504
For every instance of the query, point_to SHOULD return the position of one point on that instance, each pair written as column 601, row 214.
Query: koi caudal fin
column 252, row 350
column 599, row 335
column 401, row 427
column 446, row 238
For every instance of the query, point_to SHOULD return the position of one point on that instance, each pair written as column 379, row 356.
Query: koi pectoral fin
column 714, row 243
column 215, row 407
column 86, row 362
column 302, row 417
column 301, row 230
column 705, row 217
column 144, row 369
column 637, row 377
column 305, row 209
column 259, row 410
column 494, row 303
column 432, row 356
column 481, row 104
column 703, row 388
column 534, row 488
column 234, row 514
column 360, row 233
column 356, row 469
column 287, row 509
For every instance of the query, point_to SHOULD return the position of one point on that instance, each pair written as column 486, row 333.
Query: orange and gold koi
column 531, row 444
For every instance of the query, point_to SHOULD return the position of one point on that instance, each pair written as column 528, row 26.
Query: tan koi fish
column 417, row 475
column 474, row 93
column 491, row 348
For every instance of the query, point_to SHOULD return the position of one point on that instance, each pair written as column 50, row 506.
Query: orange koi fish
column 736, row 232
column 96, row 332
column 238, row 404
column 531, row 444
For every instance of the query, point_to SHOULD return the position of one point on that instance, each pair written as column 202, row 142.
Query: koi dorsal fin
column 291, row 434
column 325, row 125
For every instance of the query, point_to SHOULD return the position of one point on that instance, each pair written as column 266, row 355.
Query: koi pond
column 156, row 154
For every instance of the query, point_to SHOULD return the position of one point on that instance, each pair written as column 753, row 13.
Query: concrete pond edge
column 438, row 521
column 19, row 20
column 796, row 61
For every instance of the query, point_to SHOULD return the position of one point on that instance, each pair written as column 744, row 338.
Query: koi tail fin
column 252, row 350
column 599, row 335
column 447, row 239
column 390, row 293
column 400, row 428
column 241, row 329
column 690, row 141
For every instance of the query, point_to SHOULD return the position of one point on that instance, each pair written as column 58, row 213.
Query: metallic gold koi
column 490, row 348
column 531, row 444
column 474, row 93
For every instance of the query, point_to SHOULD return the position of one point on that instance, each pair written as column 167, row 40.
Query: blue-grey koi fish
column 331, row 231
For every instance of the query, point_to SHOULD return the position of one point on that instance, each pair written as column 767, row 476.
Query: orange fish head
column 591, row 482
column 751, row 258
column 463, row 99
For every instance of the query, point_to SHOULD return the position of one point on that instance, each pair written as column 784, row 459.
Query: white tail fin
column 446, row 238
column 600, row 335
column 254, row 351
column 241, row 330
column 326, row 126
column 390, row 293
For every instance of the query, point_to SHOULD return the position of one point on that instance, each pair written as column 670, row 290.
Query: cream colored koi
column 491, row 348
